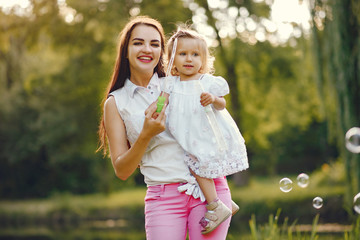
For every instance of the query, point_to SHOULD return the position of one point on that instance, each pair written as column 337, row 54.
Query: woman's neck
column 141, row 79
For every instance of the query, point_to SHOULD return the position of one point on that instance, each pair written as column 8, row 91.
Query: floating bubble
column 302, row 180
column 285, row 185
column 352, row 140
column 318, row 202
column 357, row 203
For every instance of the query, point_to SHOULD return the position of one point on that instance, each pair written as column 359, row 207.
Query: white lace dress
column 189, row 124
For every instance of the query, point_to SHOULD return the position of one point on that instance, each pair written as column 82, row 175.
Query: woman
column 172, row 204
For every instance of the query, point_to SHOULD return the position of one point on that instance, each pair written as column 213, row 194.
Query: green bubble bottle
column 160, row 103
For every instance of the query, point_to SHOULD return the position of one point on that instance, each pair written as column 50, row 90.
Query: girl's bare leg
column 207, row 186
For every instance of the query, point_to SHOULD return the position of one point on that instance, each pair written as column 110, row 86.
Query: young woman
column 136, row 139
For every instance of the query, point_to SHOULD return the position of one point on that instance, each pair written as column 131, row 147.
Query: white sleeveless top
column 163, row 161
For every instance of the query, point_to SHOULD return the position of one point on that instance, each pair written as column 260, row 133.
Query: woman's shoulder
column 110, row 105
column 116, row 92
column 119, row 96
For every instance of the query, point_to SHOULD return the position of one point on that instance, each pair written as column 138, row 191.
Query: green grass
column 123, row 198
column 267, row 189
column 261, row 197
column 69, row 209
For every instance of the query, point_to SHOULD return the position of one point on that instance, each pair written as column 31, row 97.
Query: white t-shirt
column 163, row 161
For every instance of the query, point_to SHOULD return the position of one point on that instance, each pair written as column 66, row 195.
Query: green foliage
column 355, row 232
column 273, row 231
column 56, row 62
column 50, row 102
column 330, row 174
column 336, row 43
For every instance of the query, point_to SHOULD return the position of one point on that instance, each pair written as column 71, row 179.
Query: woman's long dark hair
column 122, row 69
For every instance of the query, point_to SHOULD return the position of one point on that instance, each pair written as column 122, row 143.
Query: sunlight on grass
column 123, row 198
column 268, row 188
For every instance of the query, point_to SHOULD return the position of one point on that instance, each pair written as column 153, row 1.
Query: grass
column 267, row 189
column 121, row 199
column 261, row 197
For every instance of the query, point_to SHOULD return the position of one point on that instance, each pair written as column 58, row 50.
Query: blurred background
column 293, row 67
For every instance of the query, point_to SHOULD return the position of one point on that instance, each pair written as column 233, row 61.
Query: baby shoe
column 217, row 213
column 234, row 208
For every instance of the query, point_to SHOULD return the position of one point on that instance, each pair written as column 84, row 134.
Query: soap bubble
column 352, row 140
column 357, row 203
column 285, row 185
column 302, row 180
column 317, row 202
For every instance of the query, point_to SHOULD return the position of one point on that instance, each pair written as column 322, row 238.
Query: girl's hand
column 206, row 99
column 153, row 126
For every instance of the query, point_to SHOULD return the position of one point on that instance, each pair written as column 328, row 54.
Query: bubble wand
column 161, row 99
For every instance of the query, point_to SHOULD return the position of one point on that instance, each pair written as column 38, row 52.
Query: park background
column 295, row 92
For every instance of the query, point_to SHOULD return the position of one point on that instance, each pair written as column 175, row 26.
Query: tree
column 55, row 62
column 269, row 80
column 336, row 37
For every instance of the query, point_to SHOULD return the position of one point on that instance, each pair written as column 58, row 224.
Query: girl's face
column 188, row 59
column 144, row 49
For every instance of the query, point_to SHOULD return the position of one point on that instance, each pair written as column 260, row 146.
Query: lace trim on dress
column 216, row 168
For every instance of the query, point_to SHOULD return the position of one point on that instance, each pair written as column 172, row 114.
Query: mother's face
column 144, row 49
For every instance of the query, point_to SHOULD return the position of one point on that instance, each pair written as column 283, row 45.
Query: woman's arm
column 206, row 98
column 125, row 159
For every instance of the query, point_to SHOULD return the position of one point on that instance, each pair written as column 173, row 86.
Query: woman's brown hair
column 121, row 69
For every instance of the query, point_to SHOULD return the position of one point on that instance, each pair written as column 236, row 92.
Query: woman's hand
column 153, row 126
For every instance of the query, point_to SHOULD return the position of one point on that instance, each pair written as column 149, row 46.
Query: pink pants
column 170, row 214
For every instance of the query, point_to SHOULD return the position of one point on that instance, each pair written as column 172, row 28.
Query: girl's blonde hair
column 206, row 58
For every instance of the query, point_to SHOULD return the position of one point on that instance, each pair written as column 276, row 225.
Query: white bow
column 192, row 188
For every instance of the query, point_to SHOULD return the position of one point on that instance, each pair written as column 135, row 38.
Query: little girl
column 200, row 123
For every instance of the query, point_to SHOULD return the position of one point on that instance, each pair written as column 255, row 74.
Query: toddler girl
column 200, row 123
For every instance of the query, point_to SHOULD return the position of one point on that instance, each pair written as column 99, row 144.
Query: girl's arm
column 206, row 98
column 125, row 159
